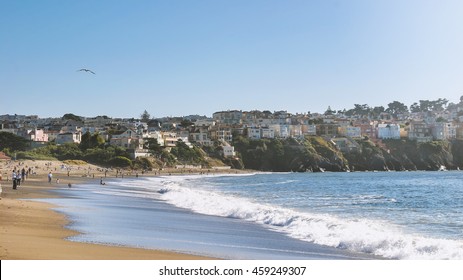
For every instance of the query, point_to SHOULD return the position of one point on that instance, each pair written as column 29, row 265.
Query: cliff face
column 422, row 156
column 316, row 154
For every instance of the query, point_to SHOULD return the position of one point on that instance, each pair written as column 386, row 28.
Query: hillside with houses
column 425, row 136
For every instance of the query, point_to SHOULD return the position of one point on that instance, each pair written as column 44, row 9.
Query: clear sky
column 177, row 58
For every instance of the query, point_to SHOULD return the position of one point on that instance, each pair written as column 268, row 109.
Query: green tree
column 13, row 142
column 72, row 117
column 186, row 123
column 396, row 108
column 362, row 110
column 120, row 161
column 145, row 116
column 153, row 146
column 376, row 111
column 439, row 104
column 415, row 108
column 68, row 151
column 425, row 105
column 90, row 141
column 187, row 154
column 329, row 112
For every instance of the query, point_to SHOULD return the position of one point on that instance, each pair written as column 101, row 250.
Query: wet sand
column 31, row 230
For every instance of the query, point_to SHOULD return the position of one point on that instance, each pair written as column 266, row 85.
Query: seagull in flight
column 86, row 70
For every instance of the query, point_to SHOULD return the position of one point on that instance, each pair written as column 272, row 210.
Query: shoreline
column 32, row 230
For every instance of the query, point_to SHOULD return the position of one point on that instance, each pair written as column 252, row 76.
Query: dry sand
column 33, row 231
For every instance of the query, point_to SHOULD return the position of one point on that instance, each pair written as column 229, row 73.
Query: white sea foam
column 360, row 235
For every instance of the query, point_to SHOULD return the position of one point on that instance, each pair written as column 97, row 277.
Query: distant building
column 128, row 139
column 170, row 139
column 327, row 129
column 201, row 136
column 350, row 131
column 420, row 131
column 267, row 132
column 69, row 137
column 388, row 131
column 443, row 131
column 38, row 135
column 228, row 117
column 254, row 133
column 228, row 151
column 309, row 129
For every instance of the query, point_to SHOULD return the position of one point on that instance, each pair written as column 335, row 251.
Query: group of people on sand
column 19, row 176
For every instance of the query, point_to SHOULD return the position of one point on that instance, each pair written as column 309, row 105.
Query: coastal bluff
column 316, row 154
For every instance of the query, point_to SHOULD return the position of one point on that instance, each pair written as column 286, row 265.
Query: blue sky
column 177, row 58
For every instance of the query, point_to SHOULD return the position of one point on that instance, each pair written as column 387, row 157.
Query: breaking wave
column 377, row 237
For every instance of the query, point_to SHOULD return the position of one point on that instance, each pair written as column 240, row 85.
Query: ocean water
column 399, row 215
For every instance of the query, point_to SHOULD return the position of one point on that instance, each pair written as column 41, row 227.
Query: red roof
column 4, row 157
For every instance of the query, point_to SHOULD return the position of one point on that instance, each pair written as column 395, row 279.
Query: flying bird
column 86, row 70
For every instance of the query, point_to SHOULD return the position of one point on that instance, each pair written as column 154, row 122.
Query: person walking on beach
column 23, row 174
column 50, row 177
column 13, row 177
column 18, row 179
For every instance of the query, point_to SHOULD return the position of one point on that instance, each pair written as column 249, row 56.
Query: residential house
column 201, row 136
column 443, row 131
column 350, row 131
column 420, row 131
column 459, row 130
column 327, row 129
column 170, row 139
column 205, row 122
column 388, row 131
column 228, row 151
column 128, row 139
column 285, row 131
column 52, row 135
column 221, row 134
column 38, row 135
column 155, row 135
column 367, row 127
column 69, row 137
column 267, row 132
column 228, row 117
column 309, row 129
column 295, row 130
column 254, row 133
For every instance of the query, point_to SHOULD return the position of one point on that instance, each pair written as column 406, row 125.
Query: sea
column 334, row 216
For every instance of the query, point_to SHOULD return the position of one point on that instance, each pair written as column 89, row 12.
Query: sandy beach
column 31, row 230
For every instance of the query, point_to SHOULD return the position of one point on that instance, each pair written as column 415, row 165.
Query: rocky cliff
column 317, row 154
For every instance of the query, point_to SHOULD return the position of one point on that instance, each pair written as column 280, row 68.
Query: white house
column 388, row 131
column 68, row 137
column 284, row 131
column 254, row 133
column 229, row 151
column 205, row 122
column 267, row 132
column 201, row 136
